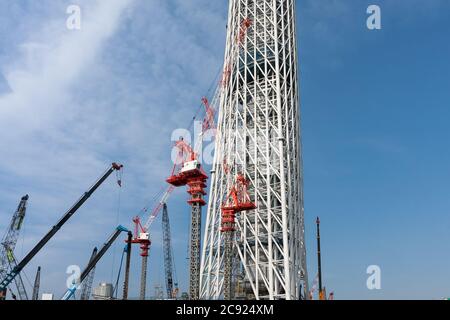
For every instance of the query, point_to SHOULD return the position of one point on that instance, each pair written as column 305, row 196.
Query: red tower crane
column 141, row 237
column 188, row 172
column 238, row 200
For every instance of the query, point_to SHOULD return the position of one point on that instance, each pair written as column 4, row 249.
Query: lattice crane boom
column 86, row 287
column 158, row 208
column 171, row 283
column 37, row 285
column 8, row 244
column 21, row 291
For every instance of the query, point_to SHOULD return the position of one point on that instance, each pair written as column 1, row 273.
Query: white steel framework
column 259, row 136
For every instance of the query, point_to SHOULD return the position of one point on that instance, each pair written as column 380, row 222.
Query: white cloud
column 79, row 100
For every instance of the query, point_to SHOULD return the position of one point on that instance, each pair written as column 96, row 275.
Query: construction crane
column 322, row 294
column 86, row 287
column 317, row 284
column 141, row 231
column 6, row 280
column 37, row 285
column 189, row 173
column 8, row 244
column 91, row 265
column 238, row 200
column 210, row 113
column 171, row 284
column 142, row 237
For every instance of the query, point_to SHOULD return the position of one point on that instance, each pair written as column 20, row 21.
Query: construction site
column 246, row 208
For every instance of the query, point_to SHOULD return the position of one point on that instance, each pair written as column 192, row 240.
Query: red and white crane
column 183, row 173
column 141, row 237
column 189, row 172
column 238, row 200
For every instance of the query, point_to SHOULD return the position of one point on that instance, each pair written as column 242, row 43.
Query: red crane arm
column 238, row 198
column 208, row 122
column 185, row 153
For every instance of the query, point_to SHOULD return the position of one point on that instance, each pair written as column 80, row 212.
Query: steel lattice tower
column 259, row 137
column 167, row 251
column 86, row 287
column 8, row 244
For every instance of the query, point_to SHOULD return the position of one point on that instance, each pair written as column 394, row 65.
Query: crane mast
column 144, row 267
column 319, row 262
column 126, row 281
column 191, row 174
column 21, row 291
column 37, row 285
column 237, row 201
column 171, row 286
column 8, row 244
column 142, row 238
column 86, row 287
column 6, row 280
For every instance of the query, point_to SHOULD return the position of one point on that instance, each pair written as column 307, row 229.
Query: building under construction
column 259, row 139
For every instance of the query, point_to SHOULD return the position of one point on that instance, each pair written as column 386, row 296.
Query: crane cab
column 190, row 166
column 144, row 236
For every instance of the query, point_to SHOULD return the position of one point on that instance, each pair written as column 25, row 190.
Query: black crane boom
column 10, row 277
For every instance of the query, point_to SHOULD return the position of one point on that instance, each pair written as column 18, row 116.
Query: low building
column 103, row 292
column 47, row 296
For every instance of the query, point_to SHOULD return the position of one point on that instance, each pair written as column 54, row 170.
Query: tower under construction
column 259, row 139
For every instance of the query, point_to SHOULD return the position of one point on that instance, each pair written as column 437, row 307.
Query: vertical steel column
column 143, row 277
column 194, row 276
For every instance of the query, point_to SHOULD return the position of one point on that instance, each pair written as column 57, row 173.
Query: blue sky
column 374, row 117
